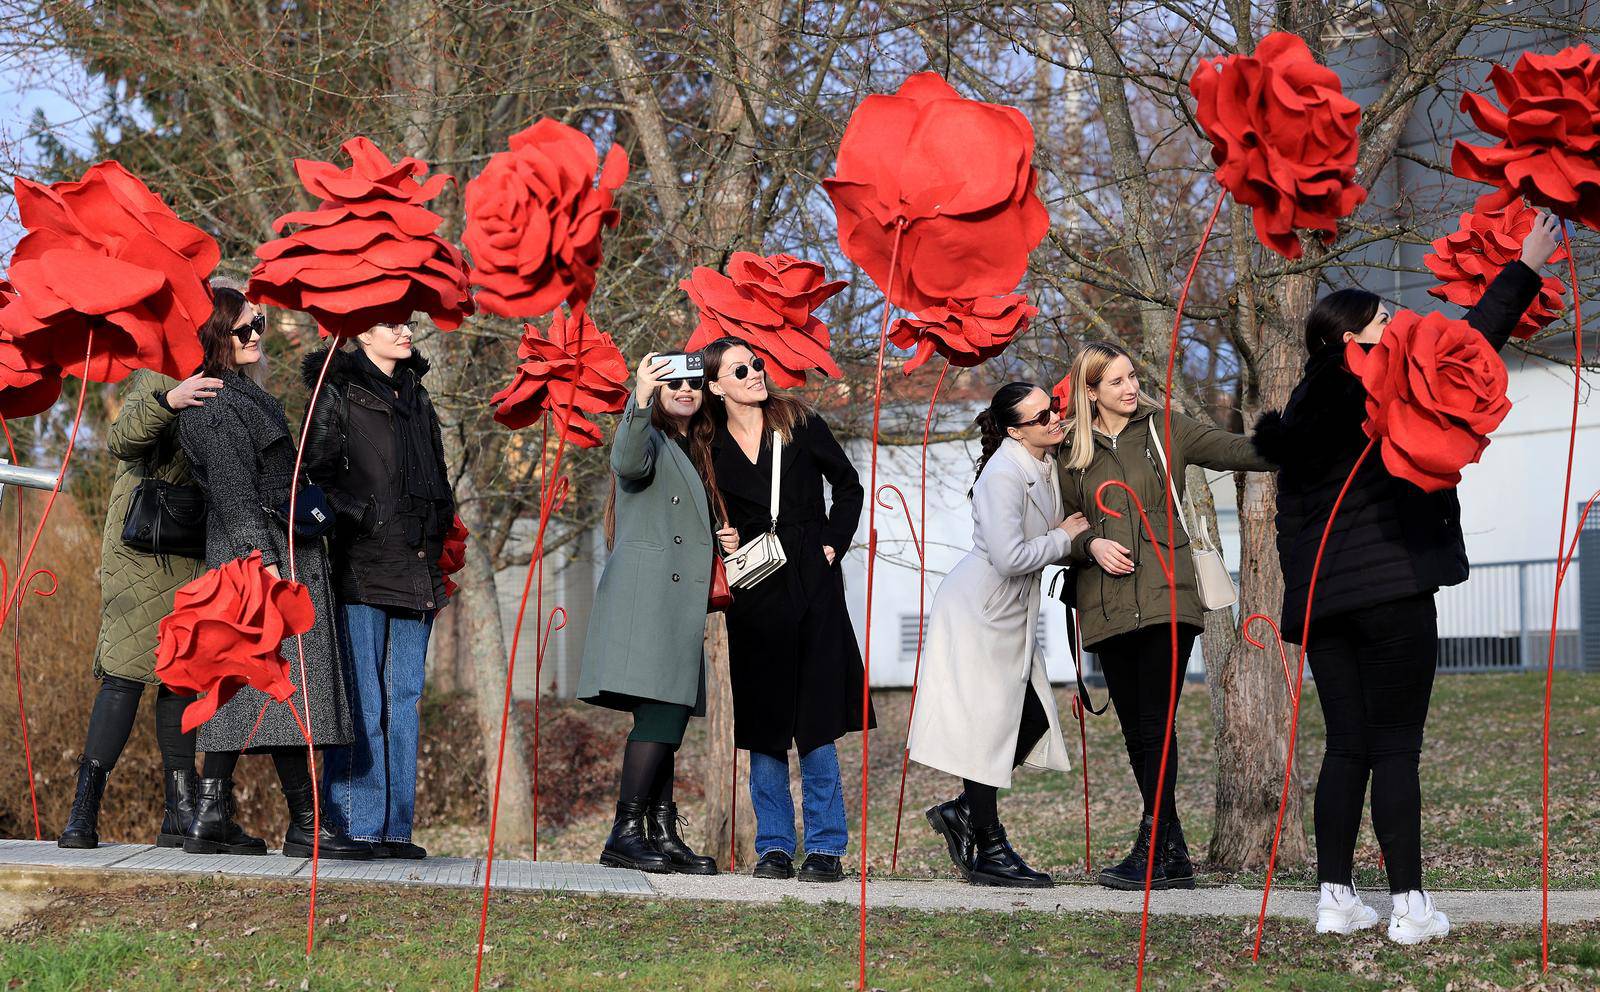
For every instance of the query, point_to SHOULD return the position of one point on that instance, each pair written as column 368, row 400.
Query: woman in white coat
column 984, row 705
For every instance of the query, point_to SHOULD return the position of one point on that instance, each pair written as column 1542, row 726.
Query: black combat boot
column 302, row 826
column 1129, row 875
column 1176, row 866
column 83, row 823
column 212, row 831
column 629, row 844
column 662, row 830
column 952, row 820
column 995, row 863
column 180, row 807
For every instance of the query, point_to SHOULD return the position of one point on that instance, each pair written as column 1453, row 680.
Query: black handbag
column 166, row 519
column 313, row 517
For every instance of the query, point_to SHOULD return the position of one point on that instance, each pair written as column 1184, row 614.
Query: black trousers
column 1138, row 672
column 1374, row 669
column 983, row 800
column 111, row 721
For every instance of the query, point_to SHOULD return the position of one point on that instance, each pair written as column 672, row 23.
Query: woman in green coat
column 136, row 591
column 1124, row 604
column 645, row 649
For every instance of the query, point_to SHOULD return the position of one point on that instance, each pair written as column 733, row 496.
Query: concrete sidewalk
column 934, row 895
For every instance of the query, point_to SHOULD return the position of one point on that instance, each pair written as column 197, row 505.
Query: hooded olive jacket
column 1110, row 605
column 136, row 589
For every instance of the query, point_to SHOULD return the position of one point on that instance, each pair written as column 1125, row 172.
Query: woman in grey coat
column 645, row 653
column 243, row 455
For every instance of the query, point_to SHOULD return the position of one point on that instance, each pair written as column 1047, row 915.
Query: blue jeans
column 822, row 798
column 372, row 784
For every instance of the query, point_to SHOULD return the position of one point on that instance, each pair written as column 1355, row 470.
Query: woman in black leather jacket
column 376, row 451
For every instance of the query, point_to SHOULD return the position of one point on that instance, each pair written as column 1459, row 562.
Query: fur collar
column 344, row 367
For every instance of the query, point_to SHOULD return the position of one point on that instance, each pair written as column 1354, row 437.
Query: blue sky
column 29, row 83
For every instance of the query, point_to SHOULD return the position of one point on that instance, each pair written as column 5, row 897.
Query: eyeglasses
column 256, row 328
column 1041, row 419
column 695, row 383
column 741, row 371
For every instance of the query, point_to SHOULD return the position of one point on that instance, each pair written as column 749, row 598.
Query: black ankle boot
column 1129, row 875
column 179, row 814
column 629, row 845
column 212, row 830
column 995, row 863
column 1176, row 866
column 302, row 825
column 83, row 823
column 662, row 831
column 952, row 820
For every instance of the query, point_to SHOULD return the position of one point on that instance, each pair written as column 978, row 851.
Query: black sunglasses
column 741, row 371
column 1041, row 419
column 694, row 382
column 256, row 328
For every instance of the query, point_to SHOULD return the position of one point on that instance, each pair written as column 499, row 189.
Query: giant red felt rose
column 1467, row 261
column 1435, row 391
column 767, row 304
column 534, row 220
column 454, row 557
column 225, row 632
column 1549, row 131
column 966, row 332
column 572, row 367
column 27, row 384
column 1283, row 135
column 104, row 254
column 956, row 174
column 367, row 255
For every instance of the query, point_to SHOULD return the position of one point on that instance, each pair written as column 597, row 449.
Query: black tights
column 1374, row 670
column 648, row 768
column 983, row 800
column 1138, row 672
column 111, row 722
column 293, row 771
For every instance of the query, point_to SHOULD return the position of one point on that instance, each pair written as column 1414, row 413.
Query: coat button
column 674, row 501
column 677, row 539
column 676, row 576
column 422, row 554
column 429, row 604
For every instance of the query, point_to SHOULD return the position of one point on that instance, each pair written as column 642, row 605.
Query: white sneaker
column 1340, row 910
column 1415, row 919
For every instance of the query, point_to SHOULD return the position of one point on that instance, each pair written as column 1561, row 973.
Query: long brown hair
column 216, row 334
column 781, row 412
column 701, row 433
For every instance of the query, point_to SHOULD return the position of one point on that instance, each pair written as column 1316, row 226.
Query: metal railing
column 1499, row 619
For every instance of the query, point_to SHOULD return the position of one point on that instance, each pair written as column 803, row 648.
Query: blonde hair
column 1088, row 368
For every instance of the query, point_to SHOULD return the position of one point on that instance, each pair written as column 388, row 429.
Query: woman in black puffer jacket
column 375, row 449
column 1375, row 635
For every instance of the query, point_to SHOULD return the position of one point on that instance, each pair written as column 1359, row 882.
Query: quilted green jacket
column 136, row 589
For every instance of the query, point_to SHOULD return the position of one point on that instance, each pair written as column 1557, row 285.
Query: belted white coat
column 981, row 654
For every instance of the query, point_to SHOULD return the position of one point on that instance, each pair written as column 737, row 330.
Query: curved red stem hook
column 1550, row 661
column 1300, row 675
column 922, row 609
column 1277, row 635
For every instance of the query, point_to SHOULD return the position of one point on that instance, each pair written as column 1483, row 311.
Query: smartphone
column 683, row 365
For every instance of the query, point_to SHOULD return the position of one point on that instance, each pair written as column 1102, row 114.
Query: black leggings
column 111, row 721
column 1374, row 670
column 291, row 763
column 1138, row 670
column 983, row 800
column 649, row 761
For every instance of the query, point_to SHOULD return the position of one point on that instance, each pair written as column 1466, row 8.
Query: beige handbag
column 764, row 555
column 1211, row 576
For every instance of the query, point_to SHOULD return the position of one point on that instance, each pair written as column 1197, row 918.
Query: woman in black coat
column 376, row 451
column 796, row 669
column 243, row 453
column 1374, row 634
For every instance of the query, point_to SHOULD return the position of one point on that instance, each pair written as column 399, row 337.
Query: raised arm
column 1212, row 447
column 845, row 482
column 138, row 428
column 997, row 505
column 1511, row 293
column 636, row 444
column 224, row 457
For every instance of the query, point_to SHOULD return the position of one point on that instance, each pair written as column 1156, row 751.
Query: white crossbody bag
column 764, row 555
column 1210, row 571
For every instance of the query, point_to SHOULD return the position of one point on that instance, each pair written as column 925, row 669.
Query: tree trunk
column 1249, row 695
column 720, row 786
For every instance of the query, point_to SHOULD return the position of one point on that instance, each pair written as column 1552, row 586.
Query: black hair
column 1339, row 313
column 1000, row 416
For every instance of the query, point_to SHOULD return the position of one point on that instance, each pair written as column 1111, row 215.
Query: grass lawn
column 201, row 934
column 1480, row 771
